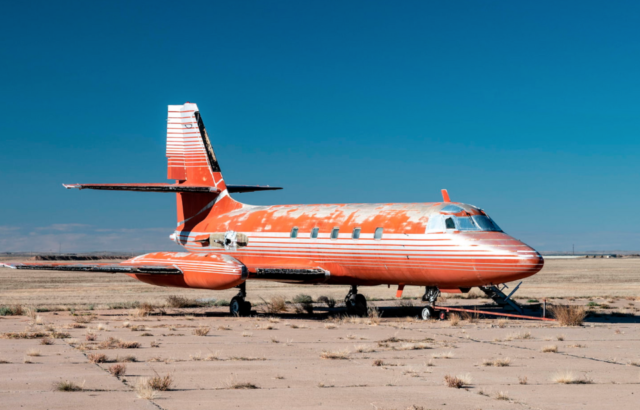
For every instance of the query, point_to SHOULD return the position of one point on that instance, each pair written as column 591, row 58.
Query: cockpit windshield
column 485, row 223
column 439, row 223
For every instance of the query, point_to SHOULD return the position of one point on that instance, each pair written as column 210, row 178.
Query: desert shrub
column 457, row 382
column 335, row 355
column 161, row 383
column 222, row 302
column 330, row 302
column 277, row 304
column 568, row 315
column 6, row 311
column 97, row 358
column 118, row 369
column 201, row 331
column 178, row 301
column 378, row 363
column 122, row 344
column 66, row 385
column 454, row 319
column 302, row 298
column 46, row 341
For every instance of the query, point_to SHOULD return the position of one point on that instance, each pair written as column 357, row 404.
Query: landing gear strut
column 431, row 294
column 355, row 302
column 239, row 306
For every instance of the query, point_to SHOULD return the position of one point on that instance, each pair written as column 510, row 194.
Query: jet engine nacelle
column 194, row 270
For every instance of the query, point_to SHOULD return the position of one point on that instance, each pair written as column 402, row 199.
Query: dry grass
column 378, row 363
column 454, row 319
column 241, row 385
column 23, row 335
column 330, row 326
column 224, row 327
column 97, row 358
column 67, row 386
column 144, row 390
column 523, row 380
column 335, row 354
column 502, row 396
column 247, row 334
column 160, row 383
column 519, row 336
column 560, row 338
column 413, row 346
column 90, row 337
column 567, row 377
column 126, row 359
column 444, row 355
column 118, row 369
column 364, row 349
column 33, row 353
column 457, row 382
column 277, row 304
column 202, row 331
column 568, row 315
column 144, row 310
column 174, row 301
column 550, row 349
column 46, row 341
column 123, row 344
column 500, row 362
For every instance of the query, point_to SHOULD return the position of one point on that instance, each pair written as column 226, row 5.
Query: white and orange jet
column 445, row 246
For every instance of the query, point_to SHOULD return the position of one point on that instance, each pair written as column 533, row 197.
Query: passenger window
column 334, row 233
column 449, row 223
column 378, row 233
column 294, row 232
column 356, row 233
column 314, row 233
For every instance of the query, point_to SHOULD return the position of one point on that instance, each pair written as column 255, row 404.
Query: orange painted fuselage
column 407, row 253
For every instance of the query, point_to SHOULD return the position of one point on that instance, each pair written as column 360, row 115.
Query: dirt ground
column 391, row 362
column 388, row 363
column 558, row 278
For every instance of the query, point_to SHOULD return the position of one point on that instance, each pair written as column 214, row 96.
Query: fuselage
column 444, row 244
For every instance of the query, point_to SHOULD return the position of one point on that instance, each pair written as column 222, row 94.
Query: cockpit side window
column 449, row 223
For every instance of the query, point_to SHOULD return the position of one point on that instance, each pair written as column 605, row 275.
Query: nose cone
column 507, row 259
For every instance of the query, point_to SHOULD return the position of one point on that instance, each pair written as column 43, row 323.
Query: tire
column 235, row 307
column 245, row 309
column 360, row 305
column 428, row 313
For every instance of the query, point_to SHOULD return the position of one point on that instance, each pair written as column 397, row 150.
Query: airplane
column 444, row 246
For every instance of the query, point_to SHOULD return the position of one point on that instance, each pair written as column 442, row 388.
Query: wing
column 98, row 267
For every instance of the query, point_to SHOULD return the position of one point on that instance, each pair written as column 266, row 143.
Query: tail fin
column 191, row 161
column 190, row 157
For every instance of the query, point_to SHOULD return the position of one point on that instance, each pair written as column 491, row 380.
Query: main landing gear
column 431, row 294
column 239, row 306
column 355, row 302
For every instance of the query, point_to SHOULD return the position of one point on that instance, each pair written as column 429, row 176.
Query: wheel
column 245, row 309
column 428, row 313
column 443, row 315
column 357, row 305
column 235, row 307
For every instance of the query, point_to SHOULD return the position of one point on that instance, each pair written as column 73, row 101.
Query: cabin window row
column 355, row 234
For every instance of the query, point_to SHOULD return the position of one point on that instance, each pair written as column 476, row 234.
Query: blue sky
column 530, row 110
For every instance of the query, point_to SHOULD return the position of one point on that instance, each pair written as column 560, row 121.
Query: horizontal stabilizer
column 155, row 187
column 249, row 188
column 108, row 268
column 165, row 187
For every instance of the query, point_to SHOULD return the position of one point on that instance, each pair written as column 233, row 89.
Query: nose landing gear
column 431, row 294
column 239, row 306
column 355, row 302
